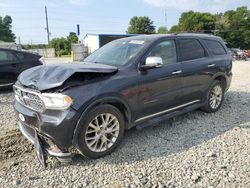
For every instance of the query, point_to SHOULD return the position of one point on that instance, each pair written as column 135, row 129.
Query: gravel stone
column 193, row 150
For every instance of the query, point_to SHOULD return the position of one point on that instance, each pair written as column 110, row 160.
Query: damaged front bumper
column 43, row 146
column 51, row 132
column 30, row 134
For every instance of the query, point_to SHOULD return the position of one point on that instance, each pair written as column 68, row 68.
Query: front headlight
column 56, row 101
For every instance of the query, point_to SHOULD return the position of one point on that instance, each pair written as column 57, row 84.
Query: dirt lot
column 196, row 150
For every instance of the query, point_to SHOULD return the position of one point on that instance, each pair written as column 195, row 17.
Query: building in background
column 95, row 41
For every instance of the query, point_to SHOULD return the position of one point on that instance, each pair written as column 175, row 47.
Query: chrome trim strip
column 28, row 90
column 168, row 110
column 31, row 139
column 58, row 154
column 31, row 91
column 5, row 85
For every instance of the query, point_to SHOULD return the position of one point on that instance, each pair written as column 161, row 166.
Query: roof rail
column 200, row 33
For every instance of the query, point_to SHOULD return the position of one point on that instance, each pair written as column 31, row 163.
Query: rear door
column 160, row 88
column 8, row 68
column 219, row 56
column 197, row 66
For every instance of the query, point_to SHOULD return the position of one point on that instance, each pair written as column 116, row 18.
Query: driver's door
column 160, row 88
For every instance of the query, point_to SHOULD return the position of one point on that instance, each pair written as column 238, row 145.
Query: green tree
column 72, row 38
column 141, row 25
column 174, row 29
column 234, row 27
column 63, row 45
column 196, row 22
column 162, row 30
column 6, row 33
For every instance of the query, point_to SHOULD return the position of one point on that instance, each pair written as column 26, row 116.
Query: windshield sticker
column 136, row 42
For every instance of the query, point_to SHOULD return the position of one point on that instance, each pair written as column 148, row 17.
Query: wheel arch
column 115, row 101
column 221, row 77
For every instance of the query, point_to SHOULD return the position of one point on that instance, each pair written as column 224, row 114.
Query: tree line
column 233, row 26
column 6, row 33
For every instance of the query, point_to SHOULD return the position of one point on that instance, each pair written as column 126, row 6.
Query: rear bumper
column 229, row 80
column 29, row 133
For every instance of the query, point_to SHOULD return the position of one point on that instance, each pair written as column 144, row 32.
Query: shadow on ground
column 185, row 132
column 162, row 140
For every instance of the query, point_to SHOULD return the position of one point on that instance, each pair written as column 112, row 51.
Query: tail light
column 42, row 60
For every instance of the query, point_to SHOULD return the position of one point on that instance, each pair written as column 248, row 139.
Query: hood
column 51, row 76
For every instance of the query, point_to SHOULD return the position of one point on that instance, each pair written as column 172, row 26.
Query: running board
column 161, row 118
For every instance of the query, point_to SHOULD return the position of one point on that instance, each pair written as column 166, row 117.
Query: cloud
column 199, row 5
column 78, row 2
column 3, row 5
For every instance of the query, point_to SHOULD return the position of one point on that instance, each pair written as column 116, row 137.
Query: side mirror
column 152, row 62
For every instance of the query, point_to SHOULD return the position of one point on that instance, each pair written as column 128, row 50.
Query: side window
column 166, row 50
column 6, row 56
column 215, row 47
column 191, row 49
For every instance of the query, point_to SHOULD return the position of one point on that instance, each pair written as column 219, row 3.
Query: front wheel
column 101, row 131
column 214, row 97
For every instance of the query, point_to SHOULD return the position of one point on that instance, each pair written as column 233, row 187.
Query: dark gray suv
column 136, row 81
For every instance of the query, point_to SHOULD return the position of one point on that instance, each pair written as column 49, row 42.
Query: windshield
column 116, row 53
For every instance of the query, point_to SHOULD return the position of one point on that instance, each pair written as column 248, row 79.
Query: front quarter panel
column 121, row 87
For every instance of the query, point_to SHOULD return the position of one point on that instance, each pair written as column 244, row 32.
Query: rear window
column 215, row 47
column 6, row 56
column 191, row 49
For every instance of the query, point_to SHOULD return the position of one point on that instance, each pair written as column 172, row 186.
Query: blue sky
column 98, row 16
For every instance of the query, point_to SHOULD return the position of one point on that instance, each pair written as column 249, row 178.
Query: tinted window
column 215, row 47
column 191, row 49
column 166, row 50
column 6, row 56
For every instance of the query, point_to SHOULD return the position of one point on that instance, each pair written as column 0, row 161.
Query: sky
column 98, row 16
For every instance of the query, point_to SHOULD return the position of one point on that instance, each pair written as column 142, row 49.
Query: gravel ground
column 195, row 150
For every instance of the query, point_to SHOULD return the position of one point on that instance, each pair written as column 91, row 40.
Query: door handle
column 211, row 65
column 177, row 72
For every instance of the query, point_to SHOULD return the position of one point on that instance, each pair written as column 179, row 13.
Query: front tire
column 214, row 97
column 101, row 131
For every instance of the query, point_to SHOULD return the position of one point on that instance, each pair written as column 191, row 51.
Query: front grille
column 30, row 98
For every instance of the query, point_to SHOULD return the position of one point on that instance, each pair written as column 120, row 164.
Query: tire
column 95, row 130
column 209, row 106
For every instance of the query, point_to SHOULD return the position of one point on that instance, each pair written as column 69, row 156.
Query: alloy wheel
column 216, row 97
column 102, row 132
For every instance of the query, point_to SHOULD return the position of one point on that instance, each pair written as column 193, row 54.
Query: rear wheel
column 101, row 131
column 214, row 97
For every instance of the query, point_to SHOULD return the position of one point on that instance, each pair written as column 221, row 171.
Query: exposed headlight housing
column 56, row 101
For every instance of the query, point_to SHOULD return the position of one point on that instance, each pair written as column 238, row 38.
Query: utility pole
column 166, row 20
column 47, row 24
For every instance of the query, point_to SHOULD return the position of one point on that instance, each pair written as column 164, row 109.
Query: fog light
column 21, row 117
